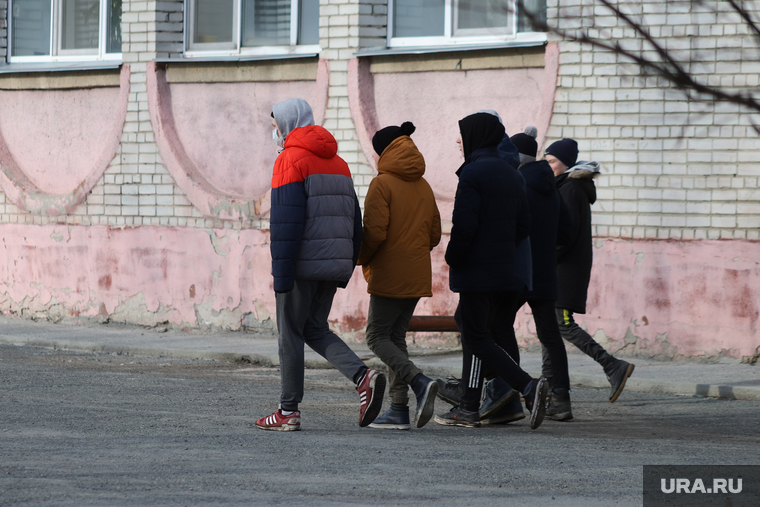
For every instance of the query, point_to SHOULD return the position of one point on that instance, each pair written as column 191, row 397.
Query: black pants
column 573, row 333
column 549, row 335
column 477, row 314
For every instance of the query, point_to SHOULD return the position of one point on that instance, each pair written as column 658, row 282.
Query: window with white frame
column 440, row 22
column 253, row 26
column 64, row 30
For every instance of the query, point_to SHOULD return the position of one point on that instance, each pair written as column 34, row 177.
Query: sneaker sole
column 376, row 403
column 503, row 419
column 449, row 422
column 390, row 426
column 284, row 427
column 539, row 404
column 493, row 409
column 422, row 416
column 619, row 391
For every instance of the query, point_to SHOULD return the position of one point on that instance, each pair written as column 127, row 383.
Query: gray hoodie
column 291, row 114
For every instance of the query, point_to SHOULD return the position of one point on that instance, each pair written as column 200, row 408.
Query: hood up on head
column 291, row 114
column 480, row 130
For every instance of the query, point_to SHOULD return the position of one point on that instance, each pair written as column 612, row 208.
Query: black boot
column 559, row 405
column 617, row 375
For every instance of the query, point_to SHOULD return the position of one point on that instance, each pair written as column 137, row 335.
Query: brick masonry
column 673, row 168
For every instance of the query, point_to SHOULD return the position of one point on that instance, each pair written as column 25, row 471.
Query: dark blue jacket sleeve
column 286, row 228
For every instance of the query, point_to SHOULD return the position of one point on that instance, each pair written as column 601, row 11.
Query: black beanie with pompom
column 384, row 137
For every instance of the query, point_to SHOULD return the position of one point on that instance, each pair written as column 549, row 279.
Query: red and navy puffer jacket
column 316, row 223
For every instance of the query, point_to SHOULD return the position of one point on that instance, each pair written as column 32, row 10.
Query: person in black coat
column 547, row 229
column 490, row 216
column 575, row 181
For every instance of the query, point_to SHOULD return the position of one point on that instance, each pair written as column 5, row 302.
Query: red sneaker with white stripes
column 371, row 391
column 279, row 422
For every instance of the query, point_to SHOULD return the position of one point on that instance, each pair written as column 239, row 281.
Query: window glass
column 266, row 23
column 308, row 21
column 419, row 18
column 538, row 9
column 480, row 14
column 114, row 27
column 31, row 27
column 213, row 21
column 80, row 22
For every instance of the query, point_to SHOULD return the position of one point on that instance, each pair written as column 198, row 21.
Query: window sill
column 27, row 67
column 236, row 58
column 448, row 48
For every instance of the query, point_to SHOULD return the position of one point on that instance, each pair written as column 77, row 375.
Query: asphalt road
column 81, row 429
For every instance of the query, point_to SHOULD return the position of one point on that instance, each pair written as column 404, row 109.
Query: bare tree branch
column 666, row 66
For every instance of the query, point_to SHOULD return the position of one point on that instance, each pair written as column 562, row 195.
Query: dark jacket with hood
column 491, row 212
column 548, row 227
column 401, row 225
column 574, row 259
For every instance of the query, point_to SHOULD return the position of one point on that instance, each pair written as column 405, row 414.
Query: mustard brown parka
column 401, row 225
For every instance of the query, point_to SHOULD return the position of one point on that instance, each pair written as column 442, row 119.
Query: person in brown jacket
column 401, row 226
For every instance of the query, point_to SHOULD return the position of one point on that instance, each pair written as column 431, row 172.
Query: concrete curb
column 577, row 380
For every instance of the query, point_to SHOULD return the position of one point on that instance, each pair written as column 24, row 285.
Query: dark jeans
column 573, row 333
column 387, row 324
column 548, row 333
column 478, row 313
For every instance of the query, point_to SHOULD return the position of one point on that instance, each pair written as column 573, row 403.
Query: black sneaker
column 392, row 420
column 559, row 405
column 512, row 412
column 425, row 405
column 535, row 401
column 448, row 390
column 498, row 395
column 459, row 417
column 620, row 373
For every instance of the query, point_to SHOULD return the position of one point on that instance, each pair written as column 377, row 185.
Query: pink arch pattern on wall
column 434, row 101
column 215, row 138
column 56, row 144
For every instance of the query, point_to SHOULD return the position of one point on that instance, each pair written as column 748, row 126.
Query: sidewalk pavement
column 727, row 379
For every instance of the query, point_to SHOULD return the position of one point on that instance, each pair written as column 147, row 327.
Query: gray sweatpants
column 302, row 318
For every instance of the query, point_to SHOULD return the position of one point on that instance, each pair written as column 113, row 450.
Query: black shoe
column 559, row 405
column 459, row 417
column 535, row 401
column 425, row 404
column 617, row 377
column 512, row 412
column 392, row 420
column 448, row 390
column 498, row 395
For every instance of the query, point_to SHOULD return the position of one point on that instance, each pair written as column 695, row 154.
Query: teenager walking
column 575, row 181
column 490, row 216
column 401, row 226
column 316, row 234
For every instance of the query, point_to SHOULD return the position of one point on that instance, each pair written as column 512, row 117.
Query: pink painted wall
column 56, row 144
column 216, row 138
column 436, row 101
column 654, row 298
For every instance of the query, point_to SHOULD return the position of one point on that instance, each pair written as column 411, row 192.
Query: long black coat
column 546, row 224
column 575, row 258
column 491, row 214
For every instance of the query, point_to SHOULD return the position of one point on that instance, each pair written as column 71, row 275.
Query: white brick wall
column 673, row 168
column 346, row 26
column 3, row 30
